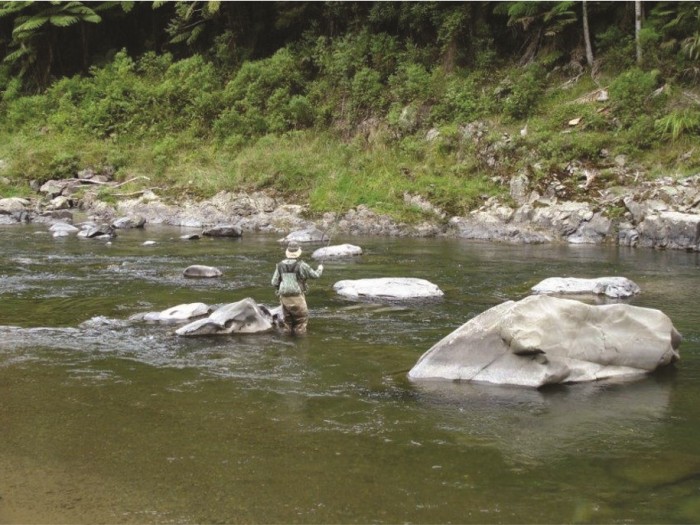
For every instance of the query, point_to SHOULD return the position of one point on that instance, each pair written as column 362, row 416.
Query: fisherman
column 290, row 280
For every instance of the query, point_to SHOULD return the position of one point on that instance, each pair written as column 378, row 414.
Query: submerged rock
column 242, row 317
column 337, row 251
column 391, row 288
column 544, row 340
column 616, row 287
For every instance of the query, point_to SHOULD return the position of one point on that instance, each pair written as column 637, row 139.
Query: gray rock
column 309, row 235
column 190, row 237
column 125, row 223
column 337, row 251
column 616, row 287
column 389, row 288
column 242, row 317
column 593, row 231
column 63, row 229
column 176, row 314
column 55, row 215
column 199, row 270
column 53, row 188
column 60, row 203
column 519, row 191
column 223, row 230
column 544, row 340
column 673, row 230
column 100, row 231
column 13, row 205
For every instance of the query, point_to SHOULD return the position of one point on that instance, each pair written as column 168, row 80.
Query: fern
column 679, row 123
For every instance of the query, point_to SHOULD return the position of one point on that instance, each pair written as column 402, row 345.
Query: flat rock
column 337, row 252
column 200, row 270
column 543, row 340
column 179, row 313
column 616, row 287
column 309, row 235
column 391, row 288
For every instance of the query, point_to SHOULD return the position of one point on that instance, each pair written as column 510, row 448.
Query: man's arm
column 306, row 271
column 276, row 277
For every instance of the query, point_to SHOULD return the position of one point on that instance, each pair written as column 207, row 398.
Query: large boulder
column 544, row 340
column 242, row 317
column 616, row 287
column 389, row 288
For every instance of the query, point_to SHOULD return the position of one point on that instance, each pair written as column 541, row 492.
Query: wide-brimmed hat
column 293, row 250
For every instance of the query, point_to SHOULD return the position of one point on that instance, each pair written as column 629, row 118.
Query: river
column 105, row 420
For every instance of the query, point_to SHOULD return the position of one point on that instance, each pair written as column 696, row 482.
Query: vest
column 291, row 282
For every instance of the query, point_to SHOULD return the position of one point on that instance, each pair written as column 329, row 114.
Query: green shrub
column 367, row 94
column 411, row 83
column 24, row 110
column 617, row 47
column 631, row 94
column 679, row 123
column 526, row 91
column 265, row 96
column 460, row 101
column 64, row 165
column 641, row 134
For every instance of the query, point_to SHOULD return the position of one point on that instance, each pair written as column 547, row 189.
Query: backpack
column 291, row 282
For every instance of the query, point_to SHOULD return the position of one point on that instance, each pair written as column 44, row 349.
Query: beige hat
column 293, row 250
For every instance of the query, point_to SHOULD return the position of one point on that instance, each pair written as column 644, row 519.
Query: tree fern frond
column 194, row 34
column 32, row 24
column 179, row 38
column 212, row 7
column 63, row 20
column 15, row 55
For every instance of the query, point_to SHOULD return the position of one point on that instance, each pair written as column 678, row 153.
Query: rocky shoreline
column 662, row 214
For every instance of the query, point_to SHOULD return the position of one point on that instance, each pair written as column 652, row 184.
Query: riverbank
column 663, row 213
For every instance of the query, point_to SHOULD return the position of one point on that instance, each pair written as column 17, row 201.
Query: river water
column 105, row 420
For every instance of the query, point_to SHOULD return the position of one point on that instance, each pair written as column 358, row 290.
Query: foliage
column 334, row 104
column 633, row 92
column 678, row 123
column 524, row 92
column 265, row 96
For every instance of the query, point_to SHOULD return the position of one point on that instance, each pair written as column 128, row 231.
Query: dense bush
column 632, row 94
column 265, row 96
column 340, row 115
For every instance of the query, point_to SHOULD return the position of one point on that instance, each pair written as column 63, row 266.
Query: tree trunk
column 638, row 29
column 587, row 35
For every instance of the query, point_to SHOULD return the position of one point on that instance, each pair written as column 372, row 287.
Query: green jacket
column 290, row 277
